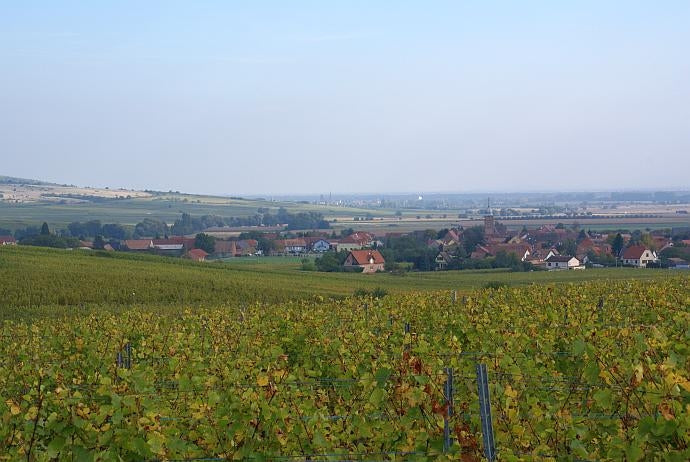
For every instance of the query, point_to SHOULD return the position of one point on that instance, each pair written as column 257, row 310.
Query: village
column 548, row 247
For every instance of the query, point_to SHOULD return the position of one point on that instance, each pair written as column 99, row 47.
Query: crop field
column 167, row 207
column 589, row 371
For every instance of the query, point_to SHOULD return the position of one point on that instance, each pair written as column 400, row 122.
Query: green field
column 35, row 277
column 166, row 207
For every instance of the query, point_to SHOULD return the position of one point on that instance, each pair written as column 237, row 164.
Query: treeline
column 186, row 224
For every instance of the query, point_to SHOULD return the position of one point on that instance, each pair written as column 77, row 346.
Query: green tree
column 98, row 242
column 617, row 244
column 205, row 242
column 45, row 231
column 472, row 237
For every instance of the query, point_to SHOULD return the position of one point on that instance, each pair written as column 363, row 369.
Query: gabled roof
column 359, row 237
column 362, row 257
column 5, row 239
column 634, row 252
column 293, row 242
column 197, row 254
column 559, row 258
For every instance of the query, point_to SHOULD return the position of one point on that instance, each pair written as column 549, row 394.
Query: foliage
column 51, row 240
column 617, row 244
column 205, row 242
column 597, row 371
column 308, row 264
column 472, row 237
column 150, row 227
column 330, row 261
column 377, row 292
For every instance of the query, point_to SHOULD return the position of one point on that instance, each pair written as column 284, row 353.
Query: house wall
column 372, row 268
column 348, row 246
column 321, row 246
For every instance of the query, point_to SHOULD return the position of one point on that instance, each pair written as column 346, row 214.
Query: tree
column 471, row 237
column 150, row 228
column 45, row 231
column 205, row 242
column 617, row 244
column 98, row 242
column 569, row 247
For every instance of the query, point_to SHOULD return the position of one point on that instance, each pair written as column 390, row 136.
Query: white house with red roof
column 7, row 240
column 370, row 261
column 639, row 256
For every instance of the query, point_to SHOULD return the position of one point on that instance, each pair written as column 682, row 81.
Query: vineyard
column 589, row 371
column 44, row 282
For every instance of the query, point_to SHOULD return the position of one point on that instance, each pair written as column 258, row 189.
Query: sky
column 261, row 97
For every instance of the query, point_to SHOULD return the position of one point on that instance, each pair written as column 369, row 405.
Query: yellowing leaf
column 262, row 380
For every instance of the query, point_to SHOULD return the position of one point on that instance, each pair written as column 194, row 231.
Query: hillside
column 62, row 279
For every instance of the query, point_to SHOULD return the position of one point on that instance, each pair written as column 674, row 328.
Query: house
column 639, row 256
column 292, row 246
column 443, row 259
column 246, row 247
column 7, row 240
column 224, row 249
column 370, row 261
column 355, row 241
column 562, row 262
column 480, row 252
column 175, row 243
column 320, row 245
column 138, row 244
column 197, row 255
column 521, row 250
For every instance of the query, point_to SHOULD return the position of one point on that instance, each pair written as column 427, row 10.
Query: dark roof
column 559, row 258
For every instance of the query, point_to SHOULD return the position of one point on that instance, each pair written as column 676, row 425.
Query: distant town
column 554, row 247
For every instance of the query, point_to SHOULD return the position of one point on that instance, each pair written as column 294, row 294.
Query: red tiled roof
column 7, row 239
column 197, row 254
column 634, row 252
column 362, row 257
column 359, row 237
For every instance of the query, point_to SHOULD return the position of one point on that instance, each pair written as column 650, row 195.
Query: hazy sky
column 325, row 96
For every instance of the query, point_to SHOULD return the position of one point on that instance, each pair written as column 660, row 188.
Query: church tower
column 489, row 223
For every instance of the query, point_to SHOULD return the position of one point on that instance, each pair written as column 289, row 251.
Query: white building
column 562, row 262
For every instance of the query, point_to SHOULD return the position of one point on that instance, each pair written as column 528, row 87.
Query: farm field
column 588, row 371
column 35, row 277
column 167, row 207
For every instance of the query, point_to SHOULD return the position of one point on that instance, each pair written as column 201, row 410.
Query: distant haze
column 317, row 97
